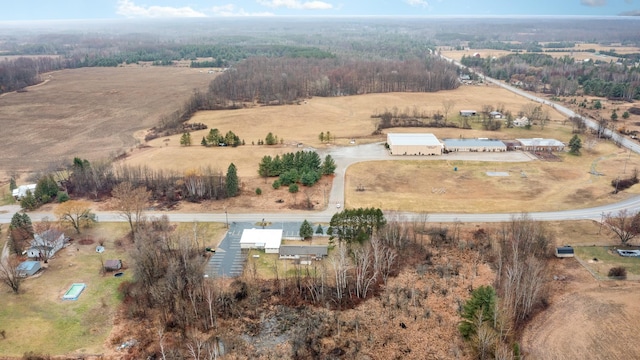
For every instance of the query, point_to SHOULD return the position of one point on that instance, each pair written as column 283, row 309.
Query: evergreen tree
column 321, row 137
column 29, row 202
column 12, row 184
column 328, row 166
column 203, row 142
column 293, row 188
column 625, row 115
column 46, row 189
column 232, row 181
column 270, row 139
column 306, row 230
column 575, row 144
column 185, row 139
column 319, row 230
column 481, row 305
column 614, row 116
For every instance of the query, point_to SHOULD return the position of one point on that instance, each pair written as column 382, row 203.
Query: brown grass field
column 92, row 113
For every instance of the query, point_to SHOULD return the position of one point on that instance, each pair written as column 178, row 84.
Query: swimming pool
column 74, row 291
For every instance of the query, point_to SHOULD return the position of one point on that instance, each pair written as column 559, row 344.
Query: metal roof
column 540, row 142
column 317, row 250
column 422, row 139
column 473, row 142
column 271, row 238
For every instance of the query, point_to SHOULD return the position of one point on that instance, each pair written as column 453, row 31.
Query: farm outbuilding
column 540, row 144
column 267, row 239
column 21, row 191
column 564, row 251
column 467, row 113
column 112, row 265
column 414, row 144
column 474, row 145
column 28, row 268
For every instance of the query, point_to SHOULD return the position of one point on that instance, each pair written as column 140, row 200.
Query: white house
column 521, row 122
column 267, row 239
column 46, row 244
column 21, row 191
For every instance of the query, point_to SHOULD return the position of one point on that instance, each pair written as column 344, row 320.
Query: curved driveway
column 346, row 156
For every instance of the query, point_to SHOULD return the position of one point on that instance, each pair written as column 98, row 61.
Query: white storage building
column 267, row 239
column 414, row 144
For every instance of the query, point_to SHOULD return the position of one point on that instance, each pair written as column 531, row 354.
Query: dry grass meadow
column 531, row 186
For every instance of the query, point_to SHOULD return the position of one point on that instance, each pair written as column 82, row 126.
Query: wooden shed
column 113, row 265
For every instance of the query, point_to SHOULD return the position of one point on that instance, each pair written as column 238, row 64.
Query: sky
column 25, row 10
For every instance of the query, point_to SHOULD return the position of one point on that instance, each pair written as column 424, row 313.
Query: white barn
column 267, row 239
column 414, row 144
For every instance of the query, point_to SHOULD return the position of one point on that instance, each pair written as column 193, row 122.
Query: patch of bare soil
column 586, row 319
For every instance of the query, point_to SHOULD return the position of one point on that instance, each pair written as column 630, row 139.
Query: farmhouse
column 414, row 144
column 21, row 191
column 467, row 113
column 474, row 145
column 267, row 239
column 46, row 244
column 521, row 122
column 303, row 252
column 539, row 144
column 27, row 268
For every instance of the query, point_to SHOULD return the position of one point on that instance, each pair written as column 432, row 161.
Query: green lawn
column 607, row 258
column 39, row 320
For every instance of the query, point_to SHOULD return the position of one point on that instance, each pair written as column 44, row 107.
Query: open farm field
column 91, row 113
column 39, row 320
column 577, row 53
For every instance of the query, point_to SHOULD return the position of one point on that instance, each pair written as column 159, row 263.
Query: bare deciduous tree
column 75, row 213
column 9, row 274
column 340, row 263
column 130, row 202
column 625, row 224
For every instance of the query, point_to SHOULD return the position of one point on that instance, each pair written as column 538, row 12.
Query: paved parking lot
column 229, row 259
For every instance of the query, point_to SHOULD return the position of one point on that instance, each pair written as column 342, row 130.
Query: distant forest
column 332, row 56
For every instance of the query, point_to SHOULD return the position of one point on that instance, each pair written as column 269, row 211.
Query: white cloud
column 128, row 9
column 230, row 10
column 296, row 4
column 421, row 3
column 593, row 2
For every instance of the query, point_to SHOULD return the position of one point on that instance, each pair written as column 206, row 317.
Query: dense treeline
column 563, row 76
column 22, row 72
column 284, row 80
column 98, row 179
